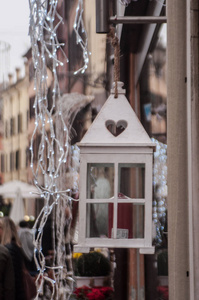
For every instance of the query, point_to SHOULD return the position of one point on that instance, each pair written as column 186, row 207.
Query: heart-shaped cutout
column 116, row 128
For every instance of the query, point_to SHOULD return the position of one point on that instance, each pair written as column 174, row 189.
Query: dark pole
column 102, row 16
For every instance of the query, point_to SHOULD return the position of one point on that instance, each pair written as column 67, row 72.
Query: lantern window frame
column 127, row 154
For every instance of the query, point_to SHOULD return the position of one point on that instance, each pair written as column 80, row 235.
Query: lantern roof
column 116, row 125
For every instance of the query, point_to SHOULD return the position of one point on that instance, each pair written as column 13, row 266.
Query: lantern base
column 83, row 249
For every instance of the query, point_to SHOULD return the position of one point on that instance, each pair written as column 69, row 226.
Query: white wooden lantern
column 116, row 155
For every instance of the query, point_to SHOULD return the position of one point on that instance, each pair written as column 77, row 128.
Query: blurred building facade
column 143, row 71
column 15, row 119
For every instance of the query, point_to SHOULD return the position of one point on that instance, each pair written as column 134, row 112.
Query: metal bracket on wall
column 103, row 20
column 137, row 20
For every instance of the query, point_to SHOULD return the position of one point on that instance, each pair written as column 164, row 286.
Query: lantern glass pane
column 130, row 221
column 131, row 181
column 99, row 220
column 100, row 181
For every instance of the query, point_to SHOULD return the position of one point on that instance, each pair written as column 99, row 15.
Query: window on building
column 20, row 124
column 28, row 156
column 1, row 109
column 12, row 126
column 31, row 109
column 17, row 160
column 36, row 144
column 6, row 129
column 11, row 161
column 6, row 163
column 2, row 163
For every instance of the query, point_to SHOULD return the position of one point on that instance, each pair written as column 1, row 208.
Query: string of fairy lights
column 160, row 191
column 81, row 36
column 52, row 149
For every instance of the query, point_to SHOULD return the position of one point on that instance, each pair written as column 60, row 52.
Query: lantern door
column 116, row 200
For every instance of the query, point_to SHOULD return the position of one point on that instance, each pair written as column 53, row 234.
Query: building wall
column 193, row 62
column 178, row 223
column 15, row 119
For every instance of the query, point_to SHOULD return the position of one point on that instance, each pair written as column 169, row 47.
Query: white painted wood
column 132, row 146
column 90, row 281
column 82, row 203
column 101, row 157
column 81, row 249
column 116, row 109
column 147, row 250
column 115, row 208
column 111, row 243
column 111, row 200
column 148, row 203
column 123, row 148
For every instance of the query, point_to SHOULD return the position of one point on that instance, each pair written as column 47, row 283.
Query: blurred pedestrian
column 11, row 241
column 26, row 240
column 7, row 281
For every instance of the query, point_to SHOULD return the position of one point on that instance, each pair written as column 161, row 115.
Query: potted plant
column 92, row 269
column 95, row 293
